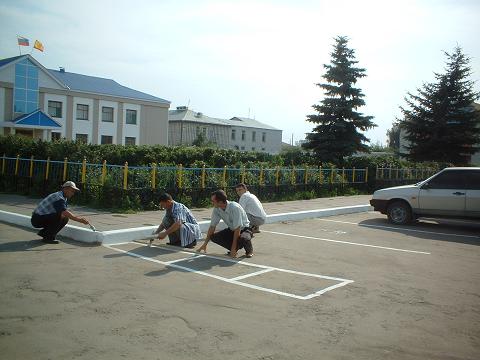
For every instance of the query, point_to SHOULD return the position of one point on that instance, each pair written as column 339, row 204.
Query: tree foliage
column 440, row 122
column 338, row 123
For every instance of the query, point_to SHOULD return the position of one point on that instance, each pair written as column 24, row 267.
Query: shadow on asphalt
column 467, row 232
column 36, row 244
column 195, row 263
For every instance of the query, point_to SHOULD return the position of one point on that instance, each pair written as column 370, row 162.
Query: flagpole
column 19, row 50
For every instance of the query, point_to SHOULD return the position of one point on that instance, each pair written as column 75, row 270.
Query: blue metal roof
column 37, row 118
column 9, row 60
column 92, row 84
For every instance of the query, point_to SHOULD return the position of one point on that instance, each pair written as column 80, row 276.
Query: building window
column 236, row 147
column 242, row 148
column 264, row 136
column 253, row 148
column 129, row 140
column 25, row 94
column 254, row 136
column 263, row 149
column 55, row 109
column 107, row 114
column 82, row 138
column 131, row 117
column 233, row 134
column 107, row 139
column 243, row 135
column 82, row 112
column 56, row 136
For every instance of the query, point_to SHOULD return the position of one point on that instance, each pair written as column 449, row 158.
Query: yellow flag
column 38, row 45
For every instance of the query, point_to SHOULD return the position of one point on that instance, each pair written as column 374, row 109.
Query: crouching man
column 178, row 224
column 252, row 206
column 238, row 235
column 51, row 213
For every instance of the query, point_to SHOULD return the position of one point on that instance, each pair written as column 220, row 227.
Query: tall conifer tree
column 338, row 122
column 441, row 123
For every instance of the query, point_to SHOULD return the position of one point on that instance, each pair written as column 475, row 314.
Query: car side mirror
column 426, row 186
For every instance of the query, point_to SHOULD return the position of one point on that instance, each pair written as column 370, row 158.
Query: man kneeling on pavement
column 237, row 235
column 52, row 215
column 178, row 223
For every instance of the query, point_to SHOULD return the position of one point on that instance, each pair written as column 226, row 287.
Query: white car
column 453, row 192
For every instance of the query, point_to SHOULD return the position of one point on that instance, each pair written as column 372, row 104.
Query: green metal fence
column 178, row 177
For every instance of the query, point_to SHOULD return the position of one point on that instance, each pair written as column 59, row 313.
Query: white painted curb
column 145, row 232
column 71, row 231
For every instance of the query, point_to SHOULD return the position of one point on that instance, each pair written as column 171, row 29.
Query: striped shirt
column 52, row 204
column 190, row 230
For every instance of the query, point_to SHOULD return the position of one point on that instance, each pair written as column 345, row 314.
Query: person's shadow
column 23, row 245
column 35, row 243
column 196, row 262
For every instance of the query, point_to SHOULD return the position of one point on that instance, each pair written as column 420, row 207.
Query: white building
column 236, row 133
column 51, row 104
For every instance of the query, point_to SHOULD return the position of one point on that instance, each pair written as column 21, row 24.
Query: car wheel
column 399, row 213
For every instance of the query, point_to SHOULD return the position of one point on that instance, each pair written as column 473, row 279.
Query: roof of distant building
column 97, row 85
column 183, row 113
column 247, row 122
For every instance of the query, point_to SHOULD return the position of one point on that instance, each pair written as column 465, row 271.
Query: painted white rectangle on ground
column 278, row 284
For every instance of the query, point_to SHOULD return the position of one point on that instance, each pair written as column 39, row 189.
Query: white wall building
column 236, row 133
column 51, row 104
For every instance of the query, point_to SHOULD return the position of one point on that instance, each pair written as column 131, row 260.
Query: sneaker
column 255, row 229
column 150, row 242
column 192, row 245
column 50, row 240
column 41, row 233
column 248, row 248
column 249, row 255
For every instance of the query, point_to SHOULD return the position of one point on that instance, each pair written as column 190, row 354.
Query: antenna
column 248, row 113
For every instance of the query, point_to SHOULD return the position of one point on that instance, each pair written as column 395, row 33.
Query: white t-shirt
column 252, row 205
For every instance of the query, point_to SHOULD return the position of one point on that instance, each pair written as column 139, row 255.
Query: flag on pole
column 38, row 45
column 22, row 41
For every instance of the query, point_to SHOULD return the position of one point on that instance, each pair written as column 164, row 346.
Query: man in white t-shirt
column 252, row 206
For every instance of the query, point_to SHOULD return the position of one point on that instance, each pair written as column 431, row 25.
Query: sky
column 258, row 59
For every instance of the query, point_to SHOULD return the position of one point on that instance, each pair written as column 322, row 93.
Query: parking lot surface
column 343, row 287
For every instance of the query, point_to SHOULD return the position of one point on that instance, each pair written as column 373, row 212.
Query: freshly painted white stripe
column 235, row 280
column 323, row 291
column 399, row 228
column 252, row 274
column 195, row 256
column 348, row 242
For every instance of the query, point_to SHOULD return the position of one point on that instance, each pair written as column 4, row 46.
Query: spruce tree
column 441, row 123
column 338, row 122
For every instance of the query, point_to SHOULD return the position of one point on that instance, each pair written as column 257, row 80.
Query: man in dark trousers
column 237, row 235
column 51, row 213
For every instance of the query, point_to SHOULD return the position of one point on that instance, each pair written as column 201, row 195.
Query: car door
column 472, row 204
column 444, row 194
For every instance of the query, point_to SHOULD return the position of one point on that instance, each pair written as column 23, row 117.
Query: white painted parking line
column 252, row 274
column 399, row 228
column 235, row 280
column 183, row 259
column 348, row 243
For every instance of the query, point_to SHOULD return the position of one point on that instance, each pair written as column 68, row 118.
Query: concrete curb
column 145, row 232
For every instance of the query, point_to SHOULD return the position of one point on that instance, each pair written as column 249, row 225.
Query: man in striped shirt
column 178, row 223
column 51, row 213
